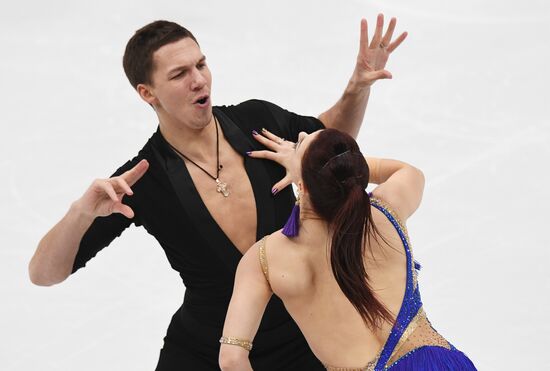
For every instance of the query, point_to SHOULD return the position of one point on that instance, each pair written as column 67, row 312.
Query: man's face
column 181, row 84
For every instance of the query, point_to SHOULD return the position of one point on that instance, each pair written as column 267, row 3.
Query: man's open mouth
column 202, row 100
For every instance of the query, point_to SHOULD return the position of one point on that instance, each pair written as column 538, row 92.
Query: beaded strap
column 390, row 214
column 263, row 258
column 235, row 341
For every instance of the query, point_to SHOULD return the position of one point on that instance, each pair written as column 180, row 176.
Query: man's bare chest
column 235, row 212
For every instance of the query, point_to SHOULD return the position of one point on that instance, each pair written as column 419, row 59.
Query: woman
column 347, row 276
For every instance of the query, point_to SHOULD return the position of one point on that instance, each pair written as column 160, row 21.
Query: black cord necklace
column 221, row 187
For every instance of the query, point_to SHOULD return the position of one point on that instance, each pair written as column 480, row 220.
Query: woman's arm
column 399, row 184
column 251, row 293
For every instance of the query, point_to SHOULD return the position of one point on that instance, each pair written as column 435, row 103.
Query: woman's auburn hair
column 336, row 174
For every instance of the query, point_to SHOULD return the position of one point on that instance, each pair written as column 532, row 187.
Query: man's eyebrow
column 178, row 69
column 186, row 67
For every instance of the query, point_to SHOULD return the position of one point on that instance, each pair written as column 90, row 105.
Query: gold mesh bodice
column 419, row 333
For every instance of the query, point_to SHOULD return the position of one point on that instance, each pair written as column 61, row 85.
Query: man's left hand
column 373, row 55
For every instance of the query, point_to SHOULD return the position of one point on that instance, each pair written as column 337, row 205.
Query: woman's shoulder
column 289, row 267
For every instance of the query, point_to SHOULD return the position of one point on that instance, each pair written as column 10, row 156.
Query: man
column 202, row 189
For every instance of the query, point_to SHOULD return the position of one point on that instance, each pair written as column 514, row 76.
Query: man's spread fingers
column 135, row 173
column 364, row 36
column 377, row 38
column 107, row 187
column 125, row 210
column 389, row 32
column 123, row 185
column 397, row 42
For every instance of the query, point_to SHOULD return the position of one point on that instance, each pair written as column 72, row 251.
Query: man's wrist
column 356, row 88
column 78, row 214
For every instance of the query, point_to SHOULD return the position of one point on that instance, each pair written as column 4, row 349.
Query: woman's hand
column 278, row 150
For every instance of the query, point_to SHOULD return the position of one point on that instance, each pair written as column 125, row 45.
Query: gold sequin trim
column 423, row 335
column 369, row 366
column 379, row 202
column 235, row 341
column 263, row 258
column 408, row 331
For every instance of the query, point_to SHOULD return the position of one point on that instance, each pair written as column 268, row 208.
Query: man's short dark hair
column 138, row 56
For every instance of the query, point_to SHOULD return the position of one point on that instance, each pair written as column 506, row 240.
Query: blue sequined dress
column 413, row 344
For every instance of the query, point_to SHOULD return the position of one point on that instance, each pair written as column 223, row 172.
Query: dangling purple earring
column 292, row 225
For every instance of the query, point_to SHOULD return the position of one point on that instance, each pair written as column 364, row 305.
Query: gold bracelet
column 235, row 341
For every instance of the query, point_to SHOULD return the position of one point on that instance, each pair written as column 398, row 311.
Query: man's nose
column 198, row 81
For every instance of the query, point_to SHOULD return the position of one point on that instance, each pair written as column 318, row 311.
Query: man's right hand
column 54, row 258
column 104, row 196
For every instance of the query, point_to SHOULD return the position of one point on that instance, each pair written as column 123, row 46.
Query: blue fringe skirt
column 433, row 358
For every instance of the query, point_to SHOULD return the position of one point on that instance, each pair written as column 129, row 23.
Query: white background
column 468, row 105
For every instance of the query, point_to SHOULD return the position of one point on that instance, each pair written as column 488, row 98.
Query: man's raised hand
column 373, row 55
column 104, row 196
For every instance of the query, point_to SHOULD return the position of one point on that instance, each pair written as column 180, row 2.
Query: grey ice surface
column 468, row 104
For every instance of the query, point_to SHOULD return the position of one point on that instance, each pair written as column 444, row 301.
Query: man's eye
column 178, row 75
column 200, row 66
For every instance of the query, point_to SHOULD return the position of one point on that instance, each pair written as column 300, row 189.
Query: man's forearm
column 348, row 113
column 54, row 258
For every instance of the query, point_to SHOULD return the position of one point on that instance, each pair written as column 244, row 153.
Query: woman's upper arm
column 251, row 293
column 403, row 190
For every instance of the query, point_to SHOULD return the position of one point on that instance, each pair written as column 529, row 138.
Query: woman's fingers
column 281, row 184
column 278, row 150
column 264, row 140
column 269, row 139
column 268, row 155
column 272, row 136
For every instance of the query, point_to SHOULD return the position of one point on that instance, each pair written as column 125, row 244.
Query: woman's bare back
column 301, row 275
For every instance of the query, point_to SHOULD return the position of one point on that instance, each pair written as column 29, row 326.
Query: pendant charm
column 221, row 187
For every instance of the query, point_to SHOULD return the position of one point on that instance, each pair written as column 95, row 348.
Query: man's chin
column 201, row 119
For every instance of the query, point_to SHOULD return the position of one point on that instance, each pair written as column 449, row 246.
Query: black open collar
column 192, row 203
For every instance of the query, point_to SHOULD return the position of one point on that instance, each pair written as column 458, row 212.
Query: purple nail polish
column 254, row 132
column 274, row 191
column 248, row 153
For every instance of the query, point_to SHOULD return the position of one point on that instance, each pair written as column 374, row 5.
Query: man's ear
column 146, row 93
